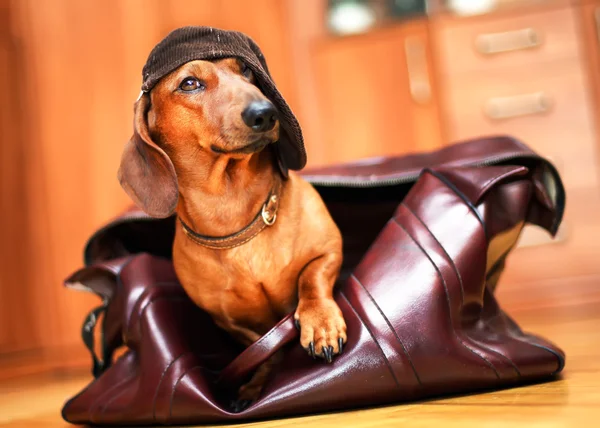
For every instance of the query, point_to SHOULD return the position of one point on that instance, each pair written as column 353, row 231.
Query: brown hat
column 192, row 43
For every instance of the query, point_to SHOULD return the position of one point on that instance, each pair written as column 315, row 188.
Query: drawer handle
column 518, row 105
column 418, row 73
column 493, row 43
column 597, row 16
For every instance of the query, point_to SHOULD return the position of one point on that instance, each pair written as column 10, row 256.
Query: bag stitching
column 560, row 359
column 374, row 339
column 459, row 277
column 462, row 290
column 114, row 397
column 448, row 301
column 391, row 328
column 174, row 390
column 162, row 376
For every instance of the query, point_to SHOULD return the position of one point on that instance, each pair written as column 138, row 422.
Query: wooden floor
column 566, row 312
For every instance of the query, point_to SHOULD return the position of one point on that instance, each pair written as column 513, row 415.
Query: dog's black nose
column 260, row 115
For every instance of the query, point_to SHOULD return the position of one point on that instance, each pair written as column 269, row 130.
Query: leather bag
column 426, row 237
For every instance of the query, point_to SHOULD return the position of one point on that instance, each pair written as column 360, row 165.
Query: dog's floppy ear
column 146, row 172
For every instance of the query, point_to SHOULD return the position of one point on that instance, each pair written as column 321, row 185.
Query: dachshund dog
column 251, row 246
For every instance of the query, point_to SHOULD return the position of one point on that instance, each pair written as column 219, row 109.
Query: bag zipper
column 361, row 182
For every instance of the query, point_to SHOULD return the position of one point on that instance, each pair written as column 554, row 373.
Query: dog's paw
column 322, row 327
column 238, row 406
column 249, row 392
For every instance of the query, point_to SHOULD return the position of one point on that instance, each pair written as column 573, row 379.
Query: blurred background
column 365, row 78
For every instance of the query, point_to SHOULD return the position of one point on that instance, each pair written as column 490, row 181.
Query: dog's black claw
column 340, row 346
column 311, row 349
column 330, row 354
column 297, row 324
column 240, row 405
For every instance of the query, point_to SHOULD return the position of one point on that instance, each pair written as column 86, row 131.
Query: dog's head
column 214, row 104
column 207, row 93
column 198, row 112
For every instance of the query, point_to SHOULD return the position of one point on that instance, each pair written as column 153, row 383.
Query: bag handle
column 260, row 351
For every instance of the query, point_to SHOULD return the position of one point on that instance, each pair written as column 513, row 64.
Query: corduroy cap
column 205, row 43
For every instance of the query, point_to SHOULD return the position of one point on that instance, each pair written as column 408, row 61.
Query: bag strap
column 87, row 334
column 259, row 352
column 101, row 280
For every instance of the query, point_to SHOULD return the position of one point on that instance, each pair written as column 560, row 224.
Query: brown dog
column 208, row 128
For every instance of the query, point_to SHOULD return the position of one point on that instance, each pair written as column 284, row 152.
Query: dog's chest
column 267, row 276
column 255, row 283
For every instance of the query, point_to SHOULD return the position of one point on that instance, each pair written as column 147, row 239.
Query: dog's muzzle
column 260, row 115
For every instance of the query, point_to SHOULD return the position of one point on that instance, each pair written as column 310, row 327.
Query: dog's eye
column 246, row 71
column 190, row 84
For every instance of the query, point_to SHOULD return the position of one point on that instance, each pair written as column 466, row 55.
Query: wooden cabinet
column 13, row 269
column 376, row 94
column 69, row 74
column 589, row 22
column 523, row 74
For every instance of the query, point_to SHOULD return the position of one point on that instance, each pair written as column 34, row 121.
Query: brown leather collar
column 265, row 217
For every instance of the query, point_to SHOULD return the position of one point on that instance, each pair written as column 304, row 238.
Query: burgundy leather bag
column 425, row 240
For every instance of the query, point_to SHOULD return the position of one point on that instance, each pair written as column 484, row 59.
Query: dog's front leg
column 250, row 391
column 322, row 325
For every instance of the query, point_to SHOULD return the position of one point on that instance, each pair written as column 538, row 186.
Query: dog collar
column 265, row 218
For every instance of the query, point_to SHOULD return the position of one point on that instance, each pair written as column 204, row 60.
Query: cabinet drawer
column 375, row 94
column 492, row 42
column 549, row 112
